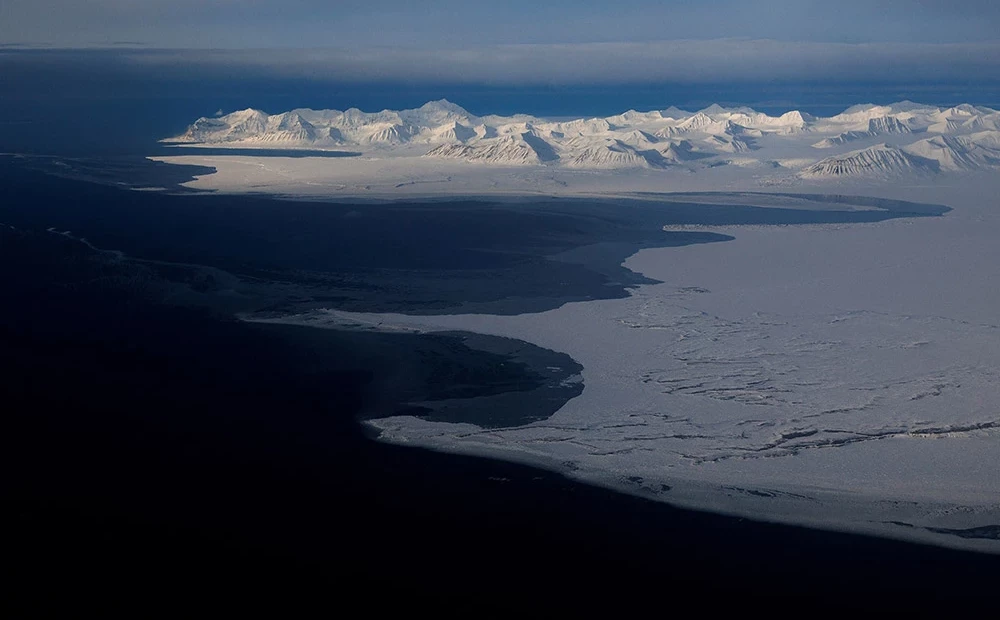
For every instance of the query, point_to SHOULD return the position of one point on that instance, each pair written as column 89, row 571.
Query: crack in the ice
column 778, row 447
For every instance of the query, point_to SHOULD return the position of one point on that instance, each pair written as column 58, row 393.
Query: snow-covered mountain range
column 867, row 141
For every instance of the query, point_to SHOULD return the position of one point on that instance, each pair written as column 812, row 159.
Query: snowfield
column 846, row 376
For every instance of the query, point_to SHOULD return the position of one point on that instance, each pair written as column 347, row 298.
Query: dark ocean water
column 431, row 257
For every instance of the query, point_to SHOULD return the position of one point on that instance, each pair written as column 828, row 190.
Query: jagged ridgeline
column 867, row 140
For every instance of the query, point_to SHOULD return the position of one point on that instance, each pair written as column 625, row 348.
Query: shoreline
column 982, row 510
column 881, row 515
column 870, row 514
column 448, row 376
column 774, row 503
column 717, row 498
column 682, row 285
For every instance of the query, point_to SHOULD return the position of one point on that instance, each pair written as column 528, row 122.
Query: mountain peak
column 675, row 113
column 906, row 106
column 881, row 160
column 713, row 109
column 443, row 105
column 795, row 116
column 245, row 114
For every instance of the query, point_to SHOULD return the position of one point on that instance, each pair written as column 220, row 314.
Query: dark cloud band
column 591, row 63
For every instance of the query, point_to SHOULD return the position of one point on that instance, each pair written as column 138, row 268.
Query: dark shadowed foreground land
column 163, row 451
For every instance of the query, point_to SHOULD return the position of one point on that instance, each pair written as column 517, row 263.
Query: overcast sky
column 531, row 40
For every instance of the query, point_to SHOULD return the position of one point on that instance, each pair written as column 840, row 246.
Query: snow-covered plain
column 838, row 375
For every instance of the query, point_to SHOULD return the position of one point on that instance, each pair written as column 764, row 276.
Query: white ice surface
column 837, row 375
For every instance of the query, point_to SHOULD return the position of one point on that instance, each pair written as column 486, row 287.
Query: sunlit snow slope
column 865, row 141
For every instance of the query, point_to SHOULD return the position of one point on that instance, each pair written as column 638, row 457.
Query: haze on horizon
column 558, row 42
